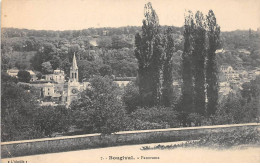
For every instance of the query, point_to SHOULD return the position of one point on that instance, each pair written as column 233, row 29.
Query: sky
column 83, row 14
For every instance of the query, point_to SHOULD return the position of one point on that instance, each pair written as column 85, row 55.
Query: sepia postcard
column 130, row 81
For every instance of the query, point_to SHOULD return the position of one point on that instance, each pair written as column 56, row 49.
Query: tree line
column 200, row 72
column 154, row 52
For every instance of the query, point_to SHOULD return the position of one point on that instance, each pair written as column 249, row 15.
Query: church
column 59, row 92
column 74, row 87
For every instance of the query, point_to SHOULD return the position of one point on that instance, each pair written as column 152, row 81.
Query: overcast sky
column 82, row 14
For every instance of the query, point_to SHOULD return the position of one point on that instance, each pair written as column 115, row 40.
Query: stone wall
column 69, row 143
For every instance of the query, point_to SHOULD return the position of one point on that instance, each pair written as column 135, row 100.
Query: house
column 48, row 89
column 12, row 72
column 226, row 69
column 123, row 81
column 122, row 84
column 229, row 73
column 243, row 74
column 244, row 51
column 257, row 71
column 105, row 32
column 58, row 76
column 48, row 103
column 33, row 75
column 48, row 77
column 224, row 88
column 251, row 75
column 220, row 51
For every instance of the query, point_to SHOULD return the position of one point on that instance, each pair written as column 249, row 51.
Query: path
column 134, row 154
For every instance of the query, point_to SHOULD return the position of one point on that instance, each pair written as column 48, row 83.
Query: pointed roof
column 74, row 62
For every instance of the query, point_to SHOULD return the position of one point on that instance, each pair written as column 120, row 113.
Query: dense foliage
column 131, row 97
column 99, row 109
column 21, row 116
column 24, row 76
column 49, row 120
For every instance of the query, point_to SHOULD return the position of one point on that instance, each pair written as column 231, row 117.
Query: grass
column 218, row 140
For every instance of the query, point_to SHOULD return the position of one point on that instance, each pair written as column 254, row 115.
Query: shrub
column 195, row 118
column 229, row 139
column 218, row 140
column 131, row 97
column 136, row 124
column 24, row 76
column 165, row 116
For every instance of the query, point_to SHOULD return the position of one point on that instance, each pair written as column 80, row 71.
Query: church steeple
column 74, row 62
column 74, row 70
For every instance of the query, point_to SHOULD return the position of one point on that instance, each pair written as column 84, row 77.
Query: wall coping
column 131, row 132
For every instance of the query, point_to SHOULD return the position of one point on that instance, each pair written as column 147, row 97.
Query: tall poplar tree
column 187, row 85
column 198, row 63
column 149, row 52
column 213, row 32
column 167, row 91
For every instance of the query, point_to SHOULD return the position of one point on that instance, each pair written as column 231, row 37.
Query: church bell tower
column 74, row 73
column 73, row 83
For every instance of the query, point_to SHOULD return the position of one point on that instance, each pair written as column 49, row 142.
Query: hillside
column 111, row 49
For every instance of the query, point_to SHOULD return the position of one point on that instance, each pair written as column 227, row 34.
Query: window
column 76, row 75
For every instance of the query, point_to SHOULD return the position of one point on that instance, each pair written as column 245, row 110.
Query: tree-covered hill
column 240, row 47
column 111, row 49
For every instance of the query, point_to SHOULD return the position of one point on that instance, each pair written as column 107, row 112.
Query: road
column 132, row 153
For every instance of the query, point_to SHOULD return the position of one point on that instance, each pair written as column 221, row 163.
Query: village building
column 105, row 32
column 123, row 81
column 122, row 84
column 33, row 75
column 226, row 68
column 48, row 90
column 14, row 73
column 244, row 51
column 231, row 80
column 251, row 75
column 257, row 71
column 224, row 89
column 243, row 74
column 229, row 73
